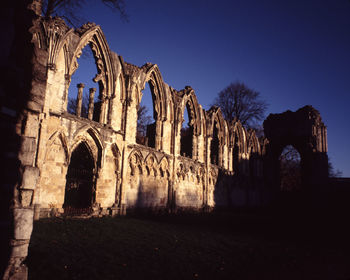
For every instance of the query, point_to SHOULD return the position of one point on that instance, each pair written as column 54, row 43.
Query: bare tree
column 240, row 102
column 68, row 9
column 290, row 171
column 72, row 106
column 143, row 120
column 333, row 173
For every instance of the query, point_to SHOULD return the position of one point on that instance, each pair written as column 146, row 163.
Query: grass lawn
column 211, row 246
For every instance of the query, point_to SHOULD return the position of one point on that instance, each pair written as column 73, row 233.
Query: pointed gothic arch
column 239, row 145
column 80, row 181
column 160, row 100
column 92, row 35
column 217, row 131
column 53, row 171
column 190, row 99
column 135, row 160
column 253, row 145
column 151, row 164
column 159, row 96
column 254, row 152
column 93, row 139
column 164, row 167
column 189, row 138
column 61, row 136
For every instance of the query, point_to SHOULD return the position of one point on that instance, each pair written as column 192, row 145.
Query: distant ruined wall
column 306, row 132
column 60, row 162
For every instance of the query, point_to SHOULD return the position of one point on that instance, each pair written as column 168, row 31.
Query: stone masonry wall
column 125, row 174
column 94, row 162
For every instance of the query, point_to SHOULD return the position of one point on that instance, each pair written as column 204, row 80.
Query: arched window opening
column 186, row 134
column 290, row 170
column 146, row 125
column 79, row 184
column 84, row 100
column 214, row 146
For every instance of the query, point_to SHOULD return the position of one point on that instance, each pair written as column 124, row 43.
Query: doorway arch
column 79, row 190
column 290, row 169
column 306, row 132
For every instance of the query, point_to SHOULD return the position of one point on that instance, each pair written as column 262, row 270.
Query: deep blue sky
column 294, row 53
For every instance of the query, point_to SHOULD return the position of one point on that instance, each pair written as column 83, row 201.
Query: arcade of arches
column 91, row 162
column 80, row 156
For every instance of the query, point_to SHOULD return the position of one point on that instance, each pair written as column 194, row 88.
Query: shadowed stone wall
column 226, row 167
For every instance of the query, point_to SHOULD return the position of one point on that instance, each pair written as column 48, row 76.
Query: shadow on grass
column 221, row 245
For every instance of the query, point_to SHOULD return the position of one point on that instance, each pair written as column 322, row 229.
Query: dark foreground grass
column 213, row 246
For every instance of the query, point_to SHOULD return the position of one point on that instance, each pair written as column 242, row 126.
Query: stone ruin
column 62, row 163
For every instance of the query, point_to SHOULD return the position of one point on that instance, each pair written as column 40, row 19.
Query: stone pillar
column 220, row 155
column 194, row 146
column 103, row 107
column 230, row 158
column 79, row 99
column 36, row 212
column 208, row 150
column 91, row 103
column 158, row 142
column 23, row 214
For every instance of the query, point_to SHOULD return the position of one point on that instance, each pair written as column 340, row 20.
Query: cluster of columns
column 79, row 104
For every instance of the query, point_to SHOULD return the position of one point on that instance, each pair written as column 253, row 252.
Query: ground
column 212, row 246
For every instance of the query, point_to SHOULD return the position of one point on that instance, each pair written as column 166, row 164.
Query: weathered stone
column 28, row 147
column 305, row 131
column 36, row 212
column 102, row 162
column 23, row 223
column 20, row 248
column 30, row 177
column 21, row 273
column 26, row 197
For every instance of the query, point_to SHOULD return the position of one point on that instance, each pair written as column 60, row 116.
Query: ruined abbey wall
column 91, row 159
column 126, row 174
column 223, row 165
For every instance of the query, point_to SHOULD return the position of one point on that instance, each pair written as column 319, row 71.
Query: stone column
column 103, row 99
column 220, row 155
column 194, row 146
column 79, row 99
column 157, row 135
column 91, row 102
column 230, row 158
column 23, row 214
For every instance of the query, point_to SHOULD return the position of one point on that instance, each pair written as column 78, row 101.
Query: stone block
column 23, row 223
column 31, row 125
column 21, row 273
column 26, row 197
column 27, row 151
column 20, row 249
column 30, row 177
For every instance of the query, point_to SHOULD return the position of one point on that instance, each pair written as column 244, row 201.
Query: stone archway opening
column 186, row 134
column 305, row 131
column 290, row 170
column 83, row 99
column 79, row 190
column 214, row 145
column 290, row 174
column 146, row 124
